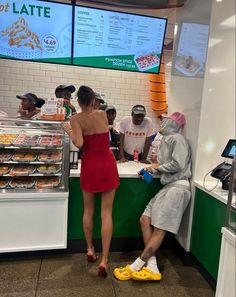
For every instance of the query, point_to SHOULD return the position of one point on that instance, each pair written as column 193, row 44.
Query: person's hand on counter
column 146, row 175
column 155, row 165
column 145, row 161
column 140, row 173
column 123, row 160
column 153, row 168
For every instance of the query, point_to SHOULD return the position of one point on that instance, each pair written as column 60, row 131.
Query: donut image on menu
column 147, row 61
column 20, row 35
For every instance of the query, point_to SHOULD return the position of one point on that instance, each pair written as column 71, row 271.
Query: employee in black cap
column 30, row 106
column 135, row 135
column 114, row 136
column 63, row 91
column 99, row 102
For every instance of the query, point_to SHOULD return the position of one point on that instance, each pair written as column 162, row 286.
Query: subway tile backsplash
column 122, row 89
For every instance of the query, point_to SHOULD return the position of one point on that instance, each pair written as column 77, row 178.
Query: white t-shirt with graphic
column 135, row 135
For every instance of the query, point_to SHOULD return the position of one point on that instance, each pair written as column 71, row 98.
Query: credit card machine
column 222, row 171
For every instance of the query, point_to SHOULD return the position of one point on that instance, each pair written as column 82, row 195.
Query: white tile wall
column 122, row 89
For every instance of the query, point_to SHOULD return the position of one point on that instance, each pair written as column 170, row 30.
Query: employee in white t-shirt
column 135, row 135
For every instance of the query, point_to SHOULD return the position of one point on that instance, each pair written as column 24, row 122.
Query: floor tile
column 98, row 291
column 18, row 294
column 129, row 257
column 153, row 289
column 19, row 276
column 70, row 271
column 180, row 291
column 70, row 275
column 138, row 289
column 178, row 280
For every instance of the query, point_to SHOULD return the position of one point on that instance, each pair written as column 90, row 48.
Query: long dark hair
column 85, row 95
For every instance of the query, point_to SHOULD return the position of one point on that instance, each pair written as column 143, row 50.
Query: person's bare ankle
column 90, row 250
column 91, row 255
column 104, row 262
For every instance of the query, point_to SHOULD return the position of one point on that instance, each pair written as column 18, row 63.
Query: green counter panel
column 130, row 201
column 208, row 219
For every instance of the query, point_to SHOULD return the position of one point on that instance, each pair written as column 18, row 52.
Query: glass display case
column 34, row 155
column 34, row 173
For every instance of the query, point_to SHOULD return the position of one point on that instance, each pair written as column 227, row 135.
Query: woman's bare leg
column 107, row 226
column 88, row 219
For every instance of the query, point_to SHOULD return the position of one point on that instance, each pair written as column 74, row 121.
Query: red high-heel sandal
column 102, row 271
column 91, row 257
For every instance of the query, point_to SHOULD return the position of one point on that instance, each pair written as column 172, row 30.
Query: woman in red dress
column 89, row 129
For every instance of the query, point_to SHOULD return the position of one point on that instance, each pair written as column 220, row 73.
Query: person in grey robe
column 165, row 210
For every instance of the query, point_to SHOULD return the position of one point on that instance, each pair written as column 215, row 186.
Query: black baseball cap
column 39, row 102
column 139, row 109
column 71, row 88
column 110, row 107
column 99, row 98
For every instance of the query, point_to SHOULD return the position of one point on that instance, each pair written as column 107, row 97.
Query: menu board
column 192, row 50
column 36, row 30
column 115, row 40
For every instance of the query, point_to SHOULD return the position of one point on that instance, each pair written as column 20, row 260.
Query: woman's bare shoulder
column 99, row 111
column 75, row 116
column 102, row 113
column 78, row 115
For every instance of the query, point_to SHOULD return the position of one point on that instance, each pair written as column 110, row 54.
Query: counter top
column 215, row 191
column 231, row 236
column 128, row 169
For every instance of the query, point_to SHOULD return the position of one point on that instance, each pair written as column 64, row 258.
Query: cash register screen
column 230, row 149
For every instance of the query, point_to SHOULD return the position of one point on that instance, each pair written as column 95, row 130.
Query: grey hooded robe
column 174, row 156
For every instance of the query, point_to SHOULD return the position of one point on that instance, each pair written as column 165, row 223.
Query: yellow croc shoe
column 146, row 274
column 123, row 273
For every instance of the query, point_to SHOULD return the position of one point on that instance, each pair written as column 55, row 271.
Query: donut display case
column 30, row 150
column 34, row 176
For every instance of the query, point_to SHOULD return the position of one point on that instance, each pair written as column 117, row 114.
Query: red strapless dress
column 98, row 165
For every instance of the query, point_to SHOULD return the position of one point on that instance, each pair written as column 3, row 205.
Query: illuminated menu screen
column 192, row 50
column 36, row 30
column 114, row 40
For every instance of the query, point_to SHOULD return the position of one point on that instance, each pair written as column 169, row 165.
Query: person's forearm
column 28, row 115
column 72, row 107
column 146, row 147
column 121, row 146
column 77, row 142
column 121, row 149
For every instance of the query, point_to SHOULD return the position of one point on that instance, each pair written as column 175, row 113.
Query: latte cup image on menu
column 146, row 61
